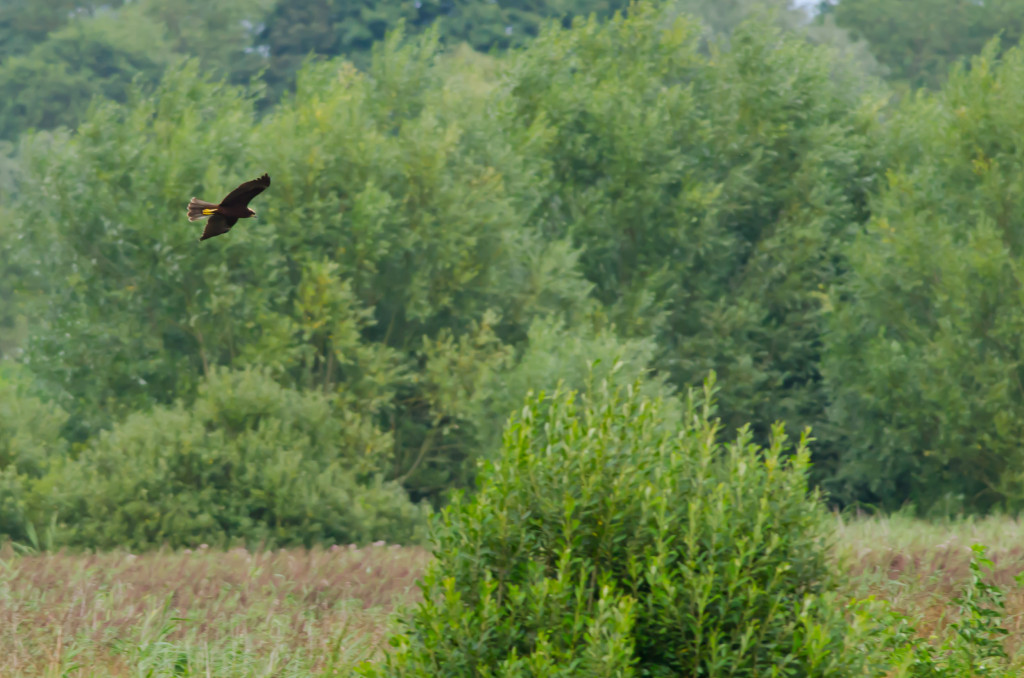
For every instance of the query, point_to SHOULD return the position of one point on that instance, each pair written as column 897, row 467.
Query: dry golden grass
column 322, row 611
column 210, row 612
column 921, row 567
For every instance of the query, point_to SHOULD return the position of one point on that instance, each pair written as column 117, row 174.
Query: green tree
column 30, row 447
column 54, row 83
column 404, row 177
column 26, row 23
column 294, row 29
column 124, row 332
column 918, row 40
column 853, row 60
column 58, row 60
column 710, row 194
column 924, row 360
column 220, row 34
column 16, row 305
column 396, row 219
column 615, row 536
column 722, row 17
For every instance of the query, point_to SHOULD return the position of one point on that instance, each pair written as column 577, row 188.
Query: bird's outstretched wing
column 241, row 196
column 218, row 224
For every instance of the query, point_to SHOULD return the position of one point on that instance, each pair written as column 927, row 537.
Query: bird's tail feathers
column 200, row 209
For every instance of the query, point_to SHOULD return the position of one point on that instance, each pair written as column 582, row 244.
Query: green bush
column 249, row 460
column 29, row 426
column 30, row 441
column 610, row 540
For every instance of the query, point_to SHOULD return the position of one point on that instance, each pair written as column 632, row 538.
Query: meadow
column 322, row 611
column 202, row 612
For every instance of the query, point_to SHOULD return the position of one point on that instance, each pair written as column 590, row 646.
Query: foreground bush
column 610, row 539
column 248, row 461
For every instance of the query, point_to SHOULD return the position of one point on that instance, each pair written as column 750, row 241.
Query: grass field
column 280, row 613
column 920, row 567
column 320, row 612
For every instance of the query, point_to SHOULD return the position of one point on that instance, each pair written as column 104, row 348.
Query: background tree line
column 57, row 55
column 674, row 190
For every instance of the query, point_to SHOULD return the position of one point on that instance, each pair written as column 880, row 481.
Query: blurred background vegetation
column 474, row 199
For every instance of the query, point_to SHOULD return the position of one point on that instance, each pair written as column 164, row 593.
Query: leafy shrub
column 249, row 460
column 29, row 426
column 29, row 443
column 610, row 540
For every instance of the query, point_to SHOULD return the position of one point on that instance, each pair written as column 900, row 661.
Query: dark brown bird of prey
column 233, row 207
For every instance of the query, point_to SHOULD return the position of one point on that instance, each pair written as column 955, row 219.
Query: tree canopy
column 919, row 40
column 448, row 229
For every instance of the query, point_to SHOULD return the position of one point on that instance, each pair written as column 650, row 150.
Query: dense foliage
column 247, row 461
column 57, row 55
column 30, row 445
column 614, row 537
column 447, row 230
column 427, row 233
column 59, row 63
column 918, row 41
column 295, row 29
column 925, row 359
column 709, row 195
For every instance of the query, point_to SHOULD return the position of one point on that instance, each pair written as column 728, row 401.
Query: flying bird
column 233, row 207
